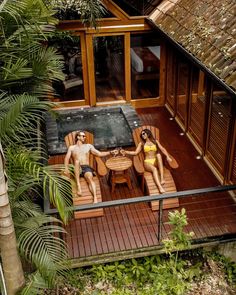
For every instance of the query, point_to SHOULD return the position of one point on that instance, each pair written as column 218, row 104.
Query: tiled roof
column 206, row 29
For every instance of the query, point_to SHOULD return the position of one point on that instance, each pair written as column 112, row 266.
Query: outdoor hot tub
column 112, row 126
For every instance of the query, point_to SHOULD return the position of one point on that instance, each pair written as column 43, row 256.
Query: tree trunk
column 11, row 263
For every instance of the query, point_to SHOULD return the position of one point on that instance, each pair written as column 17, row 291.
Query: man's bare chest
column 82, row 149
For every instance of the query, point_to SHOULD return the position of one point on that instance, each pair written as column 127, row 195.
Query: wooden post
column 159, row 235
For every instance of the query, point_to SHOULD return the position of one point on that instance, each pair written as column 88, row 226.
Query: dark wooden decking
column 131, row 230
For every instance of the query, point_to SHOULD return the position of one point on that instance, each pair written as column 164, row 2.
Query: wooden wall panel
column 219, row 130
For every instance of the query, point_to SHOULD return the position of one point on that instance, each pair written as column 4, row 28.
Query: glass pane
column 71, row 11
column 198, row 105
column 145, row 65
column 171, row 76
column 72, row 87
column 182, row 88
column 109, row 68
column 137, row 7
column 219, row 127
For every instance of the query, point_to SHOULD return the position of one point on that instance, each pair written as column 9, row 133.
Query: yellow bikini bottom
column 150, row 161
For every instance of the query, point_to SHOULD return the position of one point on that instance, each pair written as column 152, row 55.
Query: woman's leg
column 77, row 177
column 92, row 185
column 160, row 166
column 154, row 171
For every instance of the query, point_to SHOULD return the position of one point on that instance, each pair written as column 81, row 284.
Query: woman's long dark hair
column 149, row 135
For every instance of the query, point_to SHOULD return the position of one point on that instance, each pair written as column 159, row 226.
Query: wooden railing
column 145, row 199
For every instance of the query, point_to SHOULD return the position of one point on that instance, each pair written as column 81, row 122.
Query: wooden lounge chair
column 87, row 198
column 147, row 178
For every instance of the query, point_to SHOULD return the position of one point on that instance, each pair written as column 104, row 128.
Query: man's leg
column 77, row 177
column 92, row 185
column 161, row 169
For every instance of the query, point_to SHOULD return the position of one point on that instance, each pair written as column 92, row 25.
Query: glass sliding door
column 197, row 106
column 72, row 88
column 182, row 88
column 145, row 54
column 109, row 68
column 170, row 79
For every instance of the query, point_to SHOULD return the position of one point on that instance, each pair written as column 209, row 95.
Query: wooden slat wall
column 233, row 175
column 219, row 131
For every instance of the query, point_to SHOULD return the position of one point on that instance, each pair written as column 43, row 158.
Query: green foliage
column 28, row 67
column 179, row 240
column 28, row 64
column 88, row 11
column 226, row 263
column 173, row 277
column 35, row 285
column 162, row 275
column 77, row 277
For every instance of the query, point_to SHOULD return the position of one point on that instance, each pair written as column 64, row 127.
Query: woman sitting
column 153, row 159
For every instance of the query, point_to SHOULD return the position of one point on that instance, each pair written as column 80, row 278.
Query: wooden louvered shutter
column 219, row 129
column 233, row 174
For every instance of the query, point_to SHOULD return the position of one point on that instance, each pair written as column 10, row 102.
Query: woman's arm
column 164, row 151
column 133, row 153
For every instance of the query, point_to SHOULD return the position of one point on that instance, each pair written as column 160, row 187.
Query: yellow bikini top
column 148, row 148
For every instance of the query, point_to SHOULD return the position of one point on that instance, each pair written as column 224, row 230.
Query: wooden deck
column 131, row 230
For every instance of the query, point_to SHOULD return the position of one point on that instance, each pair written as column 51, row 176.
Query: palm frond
column 39, row 243
column 36, row 285
column 27, row 60
column 30, row 173
column 23, row 209
column 15, row 70
column 58, row 189
column 19, row 116
column 90, row 11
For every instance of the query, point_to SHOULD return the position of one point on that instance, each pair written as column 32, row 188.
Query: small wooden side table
column 119, row 171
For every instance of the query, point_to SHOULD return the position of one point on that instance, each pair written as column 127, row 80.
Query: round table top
column 119, row 163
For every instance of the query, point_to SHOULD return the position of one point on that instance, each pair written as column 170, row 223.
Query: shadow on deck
column 131, row 230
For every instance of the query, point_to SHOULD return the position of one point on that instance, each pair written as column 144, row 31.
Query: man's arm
column 96, row 152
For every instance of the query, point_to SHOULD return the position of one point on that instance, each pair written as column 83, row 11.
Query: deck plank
column 134, row 226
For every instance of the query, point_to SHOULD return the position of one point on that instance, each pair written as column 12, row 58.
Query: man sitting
column 80, row 154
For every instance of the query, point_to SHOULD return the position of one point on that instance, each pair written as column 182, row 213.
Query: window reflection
column 198, row 105
column 72, row 87
column 171, row 76
column 182, row 88
column 109, row 68
column 145, row 65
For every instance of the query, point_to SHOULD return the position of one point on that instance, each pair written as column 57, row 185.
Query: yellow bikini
column 148, row 148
